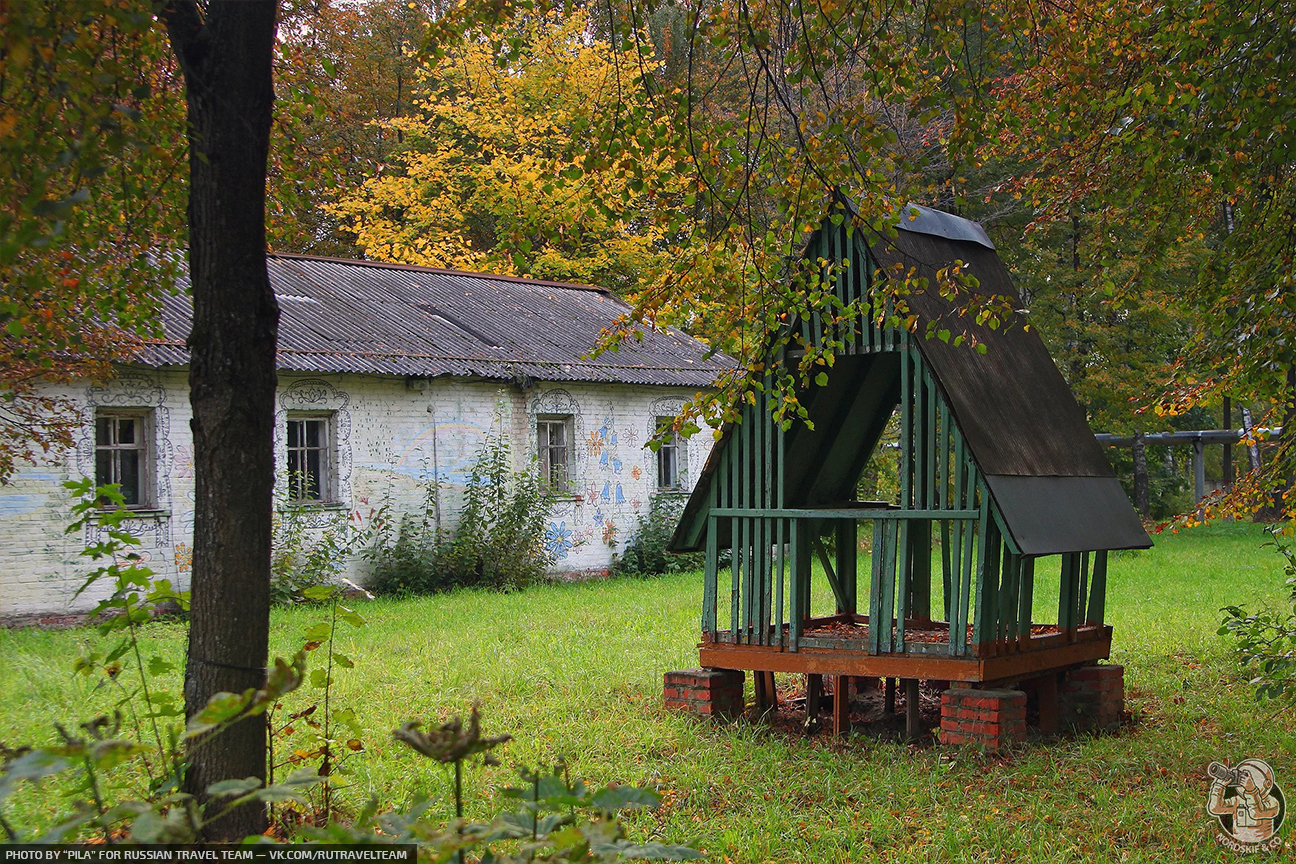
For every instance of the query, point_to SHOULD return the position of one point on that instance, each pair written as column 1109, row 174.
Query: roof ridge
column 444, row 271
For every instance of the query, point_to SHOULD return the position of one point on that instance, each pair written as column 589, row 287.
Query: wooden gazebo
column 998, row 471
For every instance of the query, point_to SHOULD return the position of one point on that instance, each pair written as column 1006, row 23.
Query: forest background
column 1130, row 162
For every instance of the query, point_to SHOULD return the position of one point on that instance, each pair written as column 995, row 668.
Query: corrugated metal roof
column 338, row 315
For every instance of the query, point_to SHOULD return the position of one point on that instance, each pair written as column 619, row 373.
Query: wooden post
column 888, row 704
column 1047, row 690
column 841, row 705
column 1199, row 470
column 1142, row 500
column 1227, row 476
column 814, row 693
column 912, row 716
column 766, row 693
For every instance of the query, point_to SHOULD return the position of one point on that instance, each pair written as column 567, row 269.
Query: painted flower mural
column 558, row 539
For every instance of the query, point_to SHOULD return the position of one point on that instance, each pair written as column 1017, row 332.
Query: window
column 668, row 458
column 553, row 446
column 122, row 454
column 310, row 459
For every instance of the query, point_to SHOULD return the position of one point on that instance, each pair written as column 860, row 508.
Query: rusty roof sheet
column 338, row 315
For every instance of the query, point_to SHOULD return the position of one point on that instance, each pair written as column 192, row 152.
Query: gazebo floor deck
column 839, row 645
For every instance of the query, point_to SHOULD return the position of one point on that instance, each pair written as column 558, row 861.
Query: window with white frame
column 669, row 462
column 553, row 448
column 310, row 459
column 123, row 454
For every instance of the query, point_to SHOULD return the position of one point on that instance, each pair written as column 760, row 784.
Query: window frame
column 328, row 457
column 146, row 491
column 544, row 451
column 674, row 445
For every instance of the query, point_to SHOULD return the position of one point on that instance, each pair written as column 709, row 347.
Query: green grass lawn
column 575, row 670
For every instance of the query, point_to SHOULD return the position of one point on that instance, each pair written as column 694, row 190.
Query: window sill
column 673, row 492
column 313, row 507
column 139, row 512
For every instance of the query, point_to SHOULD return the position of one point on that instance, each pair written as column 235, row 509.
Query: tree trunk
column 225, row 50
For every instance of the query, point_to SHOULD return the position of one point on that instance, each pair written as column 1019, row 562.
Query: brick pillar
column 1092, row 697
column 705, row 692
column 994, row 719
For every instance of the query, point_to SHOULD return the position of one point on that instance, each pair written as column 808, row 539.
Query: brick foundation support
column 705, row 692
column 1092, row 698
column 993, row 719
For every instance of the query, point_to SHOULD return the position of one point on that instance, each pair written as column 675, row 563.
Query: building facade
column 364, row 420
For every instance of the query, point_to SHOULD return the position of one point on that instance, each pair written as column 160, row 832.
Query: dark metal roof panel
column 363, row 317
column 924, row 220
column 1014, row 407
column 1054, row 515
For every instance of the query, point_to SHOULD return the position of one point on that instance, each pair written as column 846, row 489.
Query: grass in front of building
column 574, row 670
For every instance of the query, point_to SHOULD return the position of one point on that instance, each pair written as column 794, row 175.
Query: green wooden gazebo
column 998, row 472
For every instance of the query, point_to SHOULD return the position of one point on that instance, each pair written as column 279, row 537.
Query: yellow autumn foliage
column 492, row 175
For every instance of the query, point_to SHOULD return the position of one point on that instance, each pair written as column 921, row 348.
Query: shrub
column 1266, row 640
column 497, row 543
column 645, row 554
column 300, row 561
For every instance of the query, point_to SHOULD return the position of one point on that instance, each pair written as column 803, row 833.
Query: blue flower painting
column 558, row 539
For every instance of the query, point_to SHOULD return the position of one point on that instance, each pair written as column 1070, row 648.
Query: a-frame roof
column 1048, row 476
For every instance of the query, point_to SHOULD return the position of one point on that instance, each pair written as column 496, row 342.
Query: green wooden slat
column 943, row 480
column 904, row 587
column 1009, row 586
column 875, row 586
column 906, row 437
column 1026, row 598
column 1098, row 592
column 957, row 637
column 966, row 572
column 1082, row 588
column 748, row 498
column 765, row 575
column 888, row 587
column 856, row 513
column 709, row 580
column 987, row 594
column 929, row 430
column 780, row 499
column 780, row 538
column 1066, row 591
column 794, row 576
column 919, row 433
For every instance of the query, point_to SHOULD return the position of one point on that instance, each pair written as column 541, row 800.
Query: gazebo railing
column 988, row 589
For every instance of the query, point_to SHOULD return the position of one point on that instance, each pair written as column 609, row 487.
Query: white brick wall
column 389, row 441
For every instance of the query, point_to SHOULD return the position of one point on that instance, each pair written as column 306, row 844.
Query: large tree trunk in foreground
column 225, row 51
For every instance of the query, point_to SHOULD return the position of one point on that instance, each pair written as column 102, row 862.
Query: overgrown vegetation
column 645, row 554
column 305, row 555
column 118, row 778
column 576, row 669
column 498, row 541
column 1266, row 640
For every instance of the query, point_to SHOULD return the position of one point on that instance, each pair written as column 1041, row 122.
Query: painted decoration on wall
column 558, row 540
